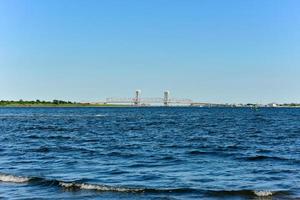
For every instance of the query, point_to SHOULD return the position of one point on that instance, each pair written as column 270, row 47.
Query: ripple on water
column 184, row 153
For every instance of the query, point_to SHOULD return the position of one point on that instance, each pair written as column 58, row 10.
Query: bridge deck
column 148, row 101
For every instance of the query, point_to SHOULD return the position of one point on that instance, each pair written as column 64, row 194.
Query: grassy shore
column 54, row 103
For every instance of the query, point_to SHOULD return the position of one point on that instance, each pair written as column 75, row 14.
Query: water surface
column 149, row 153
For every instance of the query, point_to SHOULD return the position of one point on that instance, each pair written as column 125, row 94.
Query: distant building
column 272, row 105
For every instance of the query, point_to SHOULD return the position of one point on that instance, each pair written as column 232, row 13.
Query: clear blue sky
column 207, row 50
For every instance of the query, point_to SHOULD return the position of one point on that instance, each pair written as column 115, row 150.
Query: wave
column 264, row 157
column 102, row 188
column 77, row 185
column 13, row 179
column 70, row 186
column 258, row 193
column 263, row 193
column 100, row 115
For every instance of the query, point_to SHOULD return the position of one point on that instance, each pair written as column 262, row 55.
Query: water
column 149, row 153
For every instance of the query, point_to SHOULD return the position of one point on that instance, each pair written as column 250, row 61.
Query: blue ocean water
column 149, row 153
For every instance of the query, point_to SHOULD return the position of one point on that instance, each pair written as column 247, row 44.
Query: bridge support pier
column 137, row 99
column 166, row 98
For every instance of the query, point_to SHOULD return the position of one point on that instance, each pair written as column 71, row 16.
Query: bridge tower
column 137, row 99
column 166, row 98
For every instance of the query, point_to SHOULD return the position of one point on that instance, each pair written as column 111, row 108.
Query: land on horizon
column 54, row 103
column 61, row 103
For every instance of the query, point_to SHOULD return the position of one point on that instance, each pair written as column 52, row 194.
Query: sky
column 207, row 50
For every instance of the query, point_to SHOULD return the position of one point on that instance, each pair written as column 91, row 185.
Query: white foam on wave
column 103, row 188
column 100, row 115
column 263, row 193
column 13, row 179
column 70, row 185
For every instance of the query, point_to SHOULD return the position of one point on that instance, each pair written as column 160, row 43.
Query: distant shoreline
column 59, row 105
column 54, row 103
column 63, row 106
column 132, row 106
column 69, row 104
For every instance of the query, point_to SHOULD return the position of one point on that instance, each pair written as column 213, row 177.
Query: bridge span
column 138, row 101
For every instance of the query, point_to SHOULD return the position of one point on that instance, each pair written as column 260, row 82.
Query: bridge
column 138, row 101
